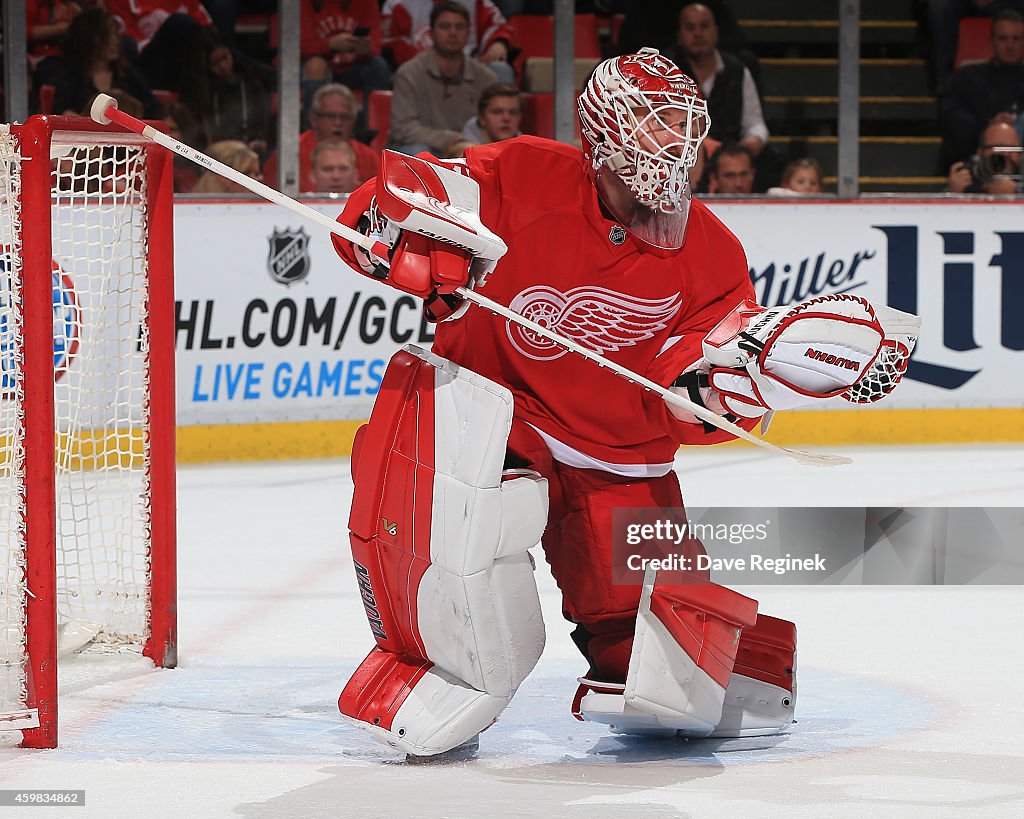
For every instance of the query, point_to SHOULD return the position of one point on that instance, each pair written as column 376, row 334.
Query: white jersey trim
column 565, row 454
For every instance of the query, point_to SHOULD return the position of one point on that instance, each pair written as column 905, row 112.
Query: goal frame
column 38, row 430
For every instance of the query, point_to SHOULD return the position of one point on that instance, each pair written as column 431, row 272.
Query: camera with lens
column 998, row 163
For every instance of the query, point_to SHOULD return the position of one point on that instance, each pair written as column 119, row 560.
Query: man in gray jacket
column 438, row 90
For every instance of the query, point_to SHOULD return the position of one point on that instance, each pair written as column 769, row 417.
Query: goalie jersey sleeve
column 580, row 274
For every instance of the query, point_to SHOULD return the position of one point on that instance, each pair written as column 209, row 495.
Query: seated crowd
column 451, row 70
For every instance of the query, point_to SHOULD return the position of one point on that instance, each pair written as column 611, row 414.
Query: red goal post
column 87, row 466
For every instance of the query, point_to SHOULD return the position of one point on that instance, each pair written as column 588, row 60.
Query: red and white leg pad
column 761, row 697
column 440, row 537
column 683, row 653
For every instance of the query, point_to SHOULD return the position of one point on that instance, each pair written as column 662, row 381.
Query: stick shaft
column 136, row 126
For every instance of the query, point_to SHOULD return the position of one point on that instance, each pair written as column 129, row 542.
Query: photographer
column 982, row 93
column 995, row 168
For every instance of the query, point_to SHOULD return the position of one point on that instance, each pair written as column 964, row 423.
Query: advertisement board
column 272, row 327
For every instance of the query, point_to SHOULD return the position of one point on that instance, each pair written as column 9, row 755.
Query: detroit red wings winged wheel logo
column 595, row 317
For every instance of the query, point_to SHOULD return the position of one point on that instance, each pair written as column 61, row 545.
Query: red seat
column 46, row 95
column 535, row 34
column 974, row 44
column 378, row 117
column 539, row 115
column 616, row 27
column 165, row 98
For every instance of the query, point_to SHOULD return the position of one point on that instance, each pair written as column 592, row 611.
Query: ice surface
column 908, row 702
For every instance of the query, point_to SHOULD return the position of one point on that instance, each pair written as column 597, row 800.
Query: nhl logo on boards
column 617, row 235
column 67, row 322
column 288, row 260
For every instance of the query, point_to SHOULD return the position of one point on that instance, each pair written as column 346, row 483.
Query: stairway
column 796, row 42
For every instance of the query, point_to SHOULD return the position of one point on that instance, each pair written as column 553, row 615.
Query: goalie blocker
column 424, row 219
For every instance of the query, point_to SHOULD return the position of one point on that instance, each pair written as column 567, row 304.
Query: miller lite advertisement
column 272, row 326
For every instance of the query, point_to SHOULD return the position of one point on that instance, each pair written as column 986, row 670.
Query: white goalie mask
column 642, row 121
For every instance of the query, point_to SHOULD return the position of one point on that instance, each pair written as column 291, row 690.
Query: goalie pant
column 679, row 654
column 439, row 533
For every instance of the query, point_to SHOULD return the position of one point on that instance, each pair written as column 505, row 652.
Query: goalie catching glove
column 424, row 221
column 758, row 360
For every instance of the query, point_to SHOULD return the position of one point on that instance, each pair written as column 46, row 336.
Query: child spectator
column 499, row 113
column 801, row 176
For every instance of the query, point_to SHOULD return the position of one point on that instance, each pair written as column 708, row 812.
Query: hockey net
column 86, row 403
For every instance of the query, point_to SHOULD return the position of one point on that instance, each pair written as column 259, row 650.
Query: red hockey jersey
column 579, row 273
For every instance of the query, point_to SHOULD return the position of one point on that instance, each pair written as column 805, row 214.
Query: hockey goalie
column 498, row 438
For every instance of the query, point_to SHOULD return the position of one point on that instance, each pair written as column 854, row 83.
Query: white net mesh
column 100, row 343
column 100, row 348
column 12, row 556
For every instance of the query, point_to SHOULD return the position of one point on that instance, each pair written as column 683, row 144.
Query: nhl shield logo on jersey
column 595, row 317
column 617, row 235
column 288, row 260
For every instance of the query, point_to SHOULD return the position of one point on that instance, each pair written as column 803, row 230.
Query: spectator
column 340, row 42
column 732, row 170
column 333, row 167
column 406, row 26
column 499, row 114
column 235, row 154
column 726, row 83
column 944, row 23
column 182, row 125
column 91, row 62
column 983, row 93
column 165, row 33
column 995, row 168
column 801, row 176
column 438, row 89
column 333, row 113
column 228, row 92
column 47, row 22
column 657, row 24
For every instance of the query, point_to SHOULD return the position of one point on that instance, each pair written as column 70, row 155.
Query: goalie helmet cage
column 87, row 470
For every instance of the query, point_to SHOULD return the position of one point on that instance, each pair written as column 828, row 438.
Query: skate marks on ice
column 212, row 710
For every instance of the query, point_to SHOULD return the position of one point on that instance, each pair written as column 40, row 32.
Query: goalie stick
column 104, row 111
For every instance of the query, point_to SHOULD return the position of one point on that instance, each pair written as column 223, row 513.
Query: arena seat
column 535, row 34
column 539, row 115
column 974, row 44
column 46, row 95
column 378, row 117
